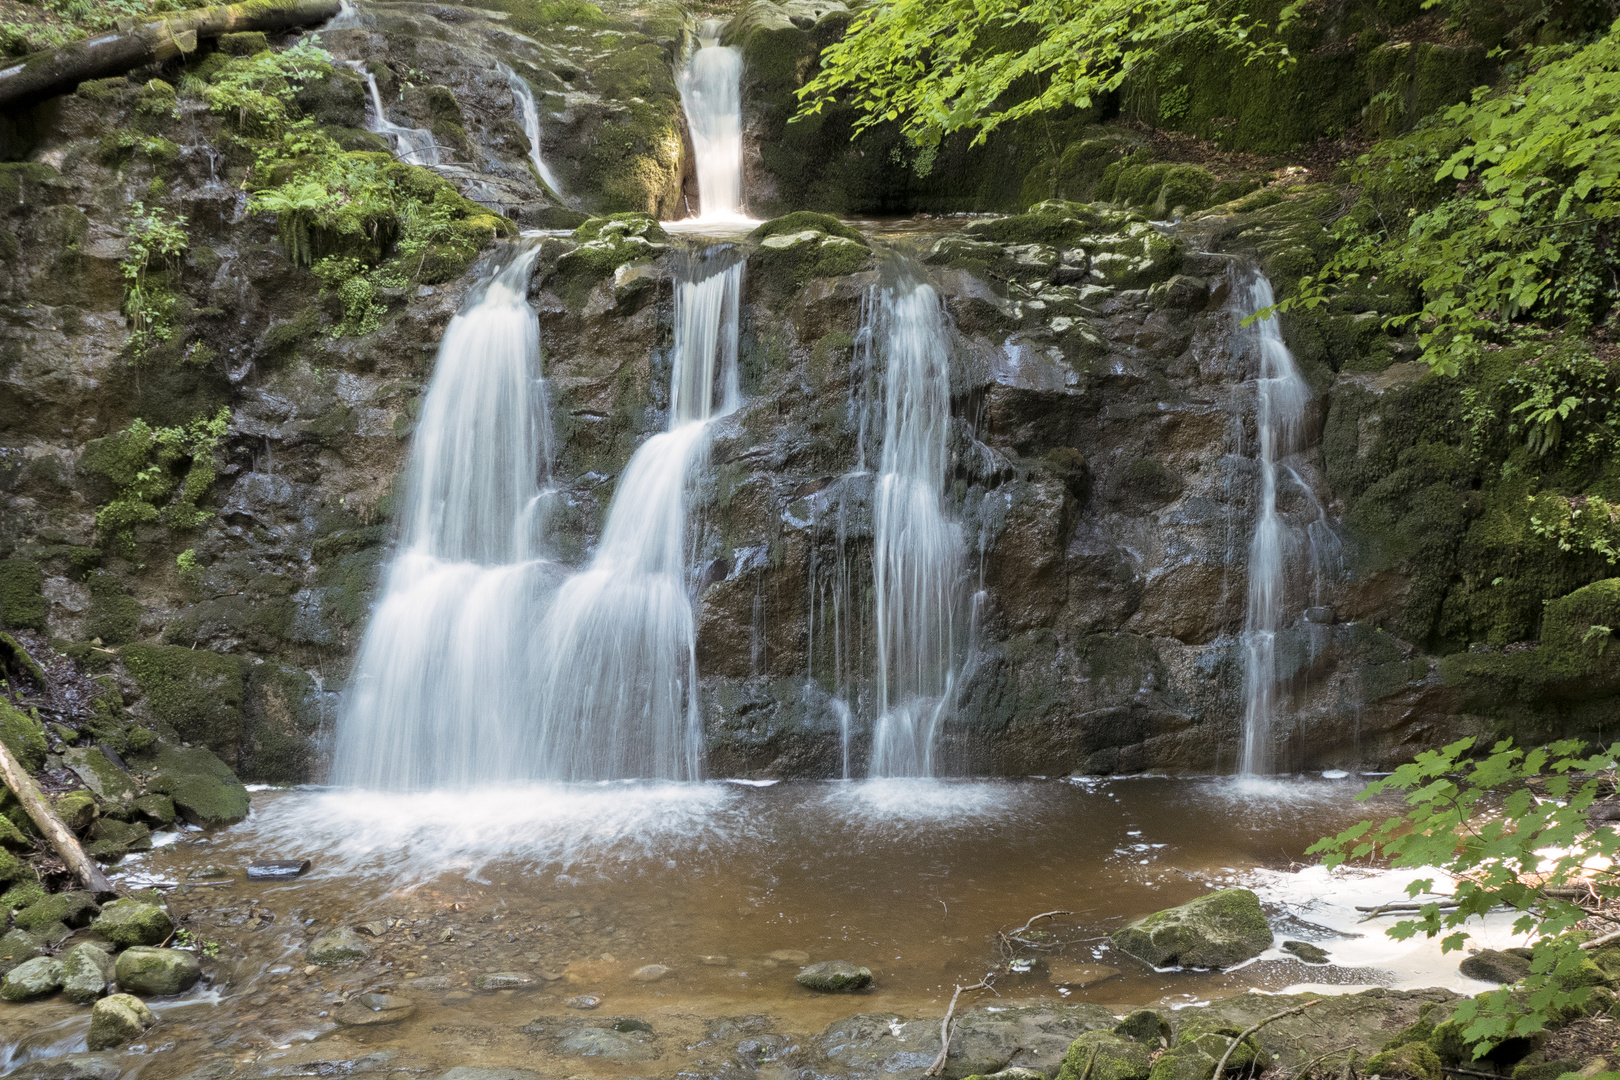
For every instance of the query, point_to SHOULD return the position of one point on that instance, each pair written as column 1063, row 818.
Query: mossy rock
column 107, row 781
column 23, row 735
column 1213, row 1038
column 36, row 978
column 68, row 908
column 25, row 894
column 1183, row 1063
column 11, row 868
column 117, row 1020
column 1214, row 931
column 1055, row 222
column 1415, row 1060
column 784, row 262
column 157, row 972
column 87, row 970
column 245, row 43
column 204, row 790
column 133, row 922
column 1448, row 1044
column 606, row 243
column 16, row 947
column 1107, row 1056
column 11, row 836
column 1145, row 1026
column 22, row 594
column 114, row 616
column 77, row 809
column 800, row 220
column 112, row 839
column 155, row 809
column 197, row 692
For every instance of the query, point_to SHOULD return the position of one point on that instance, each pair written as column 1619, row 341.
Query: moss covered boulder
column 1214, row 931
column 64, row 908
column 802, row 246
column 87, row 971
column 16, row 947
column 1183, row 1063
column 157, row 972
column 117, row 1020
column 36, row 978
column 340, row 946
column 1212, row 1037
column 203, row 788
column 1104, row 1055
column 133, row 922
column 196, row 692
column 1414, row 1060
column 23, row 735
column 605, row 245
column 77, row 809
column 22, row 594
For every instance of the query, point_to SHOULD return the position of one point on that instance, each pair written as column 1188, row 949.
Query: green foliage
column 156, row 240
column 938, row 67
column 1512, row 231
column 1506, row 827
column 47, row 24
column 185, row 939
column 165, row 473
column 256, row 92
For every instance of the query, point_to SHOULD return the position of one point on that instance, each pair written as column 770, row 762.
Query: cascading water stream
column 617, row 655
column 1281, row 396
column 415, row 146
column 711, row 95
column 441, row 685
column 529, row 111
column 917, row 549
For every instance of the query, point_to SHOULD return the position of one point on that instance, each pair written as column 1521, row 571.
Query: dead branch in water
column 1220, row 1066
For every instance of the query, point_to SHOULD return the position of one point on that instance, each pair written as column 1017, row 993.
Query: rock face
column 132, row 922
column 1214, row 931
column 86, row 973
column 157, row 972
column 117, row 1020
column 834, row 976
column 36, row 978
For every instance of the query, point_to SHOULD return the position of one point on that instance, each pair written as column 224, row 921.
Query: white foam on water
column 906, row 800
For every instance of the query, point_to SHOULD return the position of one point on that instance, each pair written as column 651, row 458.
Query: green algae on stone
column 800, row 220
column 1183, row 1063
column 16, row 947
column 1414, row 1060
column 339, row 946
column 36, row 978
column 157, row 972
column 197, row 692
column 77, row 809
column 204, row 789
column 1214, row 931
column 1104, row 1055
column 23, row 735
column 22, row 595
column 116, row 1020
column 1145, row 1026
column 1213, row 1038
column 86, row 972
column 834, row 976
column 133, row 922
column 67, row 908
column 111, row 839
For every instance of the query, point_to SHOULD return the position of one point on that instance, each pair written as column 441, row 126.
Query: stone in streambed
column 340, row 946
column 131, row 922
column 1413, row 1059
column 86, row 972
column 157, row 972
column 1311, row 954
column 502, row 980
column 277, row 870
column 649, row 973
column 1109, row 1057
column 583, row 1001
column 117, row 1019
column 17, row 947
column 1494, row 965
column 604, row 1043
column 366, row 1010
column 834, row 976
column 790, row 956
column 37, row 978
column 1145, row 1026
column 1214, row 931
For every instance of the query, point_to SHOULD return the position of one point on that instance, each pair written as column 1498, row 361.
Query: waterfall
column 917, row 549
column 347, row 18
column 529, row 111
column 711, row 96
column 617, row 654
column 1281, row 396
column 415, row 146
column 441, row 683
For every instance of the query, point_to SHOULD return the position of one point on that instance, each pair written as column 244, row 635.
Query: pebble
column 366, row 1010
column 277, row 870
column 583, row 1001
column 790, row 956
column 502, row 980
column 715, row 961
column 649, row 973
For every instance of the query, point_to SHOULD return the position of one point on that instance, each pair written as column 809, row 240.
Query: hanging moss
column 22, row 595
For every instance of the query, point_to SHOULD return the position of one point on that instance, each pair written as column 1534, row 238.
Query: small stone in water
column 502, row 980
column 583, row 1001
column 790, row 956
column 715, row 961
column 649, row 973
column 1066, row 974
column 456, row 997
column 375, row 929
column 364, row 1010
column 630, row 1023
column 1307, row 952
column 277, row 870
column 835, row 976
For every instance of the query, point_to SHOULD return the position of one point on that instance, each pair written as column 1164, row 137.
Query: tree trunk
column 58, row 71
column 61, row 837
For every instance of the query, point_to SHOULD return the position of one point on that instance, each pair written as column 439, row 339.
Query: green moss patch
column 203, row 788
column 22, row 594
column 197, row 692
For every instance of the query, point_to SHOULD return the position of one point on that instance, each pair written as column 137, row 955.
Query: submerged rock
column 340, row 946
column 834, row 976
column 365, row 1010
column 36, row 978
column 86, row 973
column 117, row 1019
column 157, row 972
column 131, row 922
column 277, row 870
column 605, row 1043
column 1311, row 954
column 649, row 973
column 1214, row 931
column 583, row 1001
column 502, row 980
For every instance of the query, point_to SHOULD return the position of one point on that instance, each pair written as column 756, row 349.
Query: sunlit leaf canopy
column 940, row 66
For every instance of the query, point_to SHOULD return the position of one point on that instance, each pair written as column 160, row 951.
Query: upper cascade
column 712, row 98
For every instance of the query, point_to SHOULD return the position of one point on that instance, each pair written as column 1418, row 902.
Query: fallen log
column 58, row 71
column 61, row 837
